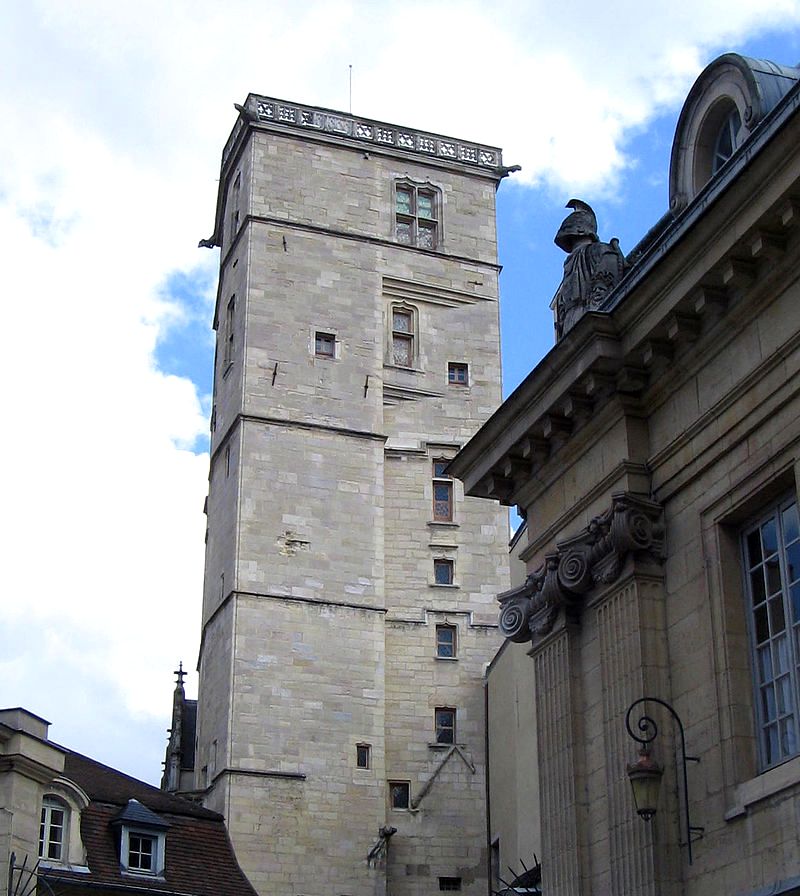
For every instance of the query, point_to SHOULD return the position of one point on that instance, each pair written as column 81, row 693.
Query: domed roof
column 729, row 99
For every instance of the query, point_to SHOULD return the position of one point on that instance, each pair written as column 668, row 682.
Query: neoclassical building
column 655, row 453
column 350, row 585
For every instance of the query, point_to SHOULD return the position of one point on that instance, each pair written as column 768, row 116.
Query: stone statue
column 591, row 271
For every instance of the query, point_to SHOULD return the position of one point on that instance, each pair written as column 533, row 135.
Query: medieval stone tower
column 348, row 608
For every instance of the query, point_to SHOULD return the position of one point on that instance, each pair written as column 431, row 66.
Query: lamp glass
column 645, row 777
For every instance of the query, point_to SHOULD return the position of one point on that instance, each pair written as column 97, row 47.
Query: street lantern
column 645, row 777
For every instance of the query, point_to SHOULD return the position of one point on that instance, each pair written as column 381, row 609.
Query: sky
column 113, row 120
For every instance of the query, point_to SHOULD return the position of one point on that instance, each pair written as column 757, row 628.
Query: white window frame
column 158, row 839
column 774, row 649
column 52, row 804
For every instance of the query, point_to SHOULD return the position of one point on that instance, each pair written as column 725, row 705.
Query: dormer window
column 723, row 109
column 142, row 840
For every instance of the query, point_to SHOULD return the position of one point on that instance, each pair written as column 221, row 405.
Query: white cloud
column 114, row 116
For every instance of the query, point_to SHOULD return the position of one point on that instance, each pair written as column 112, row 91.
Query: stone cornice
column 291, row 116
column 632, row 525
column 702, row 271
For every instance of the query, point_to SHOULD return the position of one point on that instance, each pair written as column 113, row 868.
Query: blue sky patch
column 185, row 345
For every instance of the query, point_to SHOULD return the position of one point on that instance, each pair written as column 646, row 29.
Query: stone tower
column 348, row 608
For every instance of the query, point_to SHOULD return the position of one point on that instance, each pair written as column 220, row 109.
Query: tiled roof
column 106, row 785
column 199, row 858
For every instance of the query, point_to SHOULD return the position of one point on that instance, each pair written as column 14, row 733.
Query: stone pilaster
column 560, row 744
column 633, row 663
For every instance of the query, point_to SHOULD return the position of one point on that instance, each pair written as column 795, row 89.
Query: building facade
column 655, row 452
column 348, row 609
column 72, row 826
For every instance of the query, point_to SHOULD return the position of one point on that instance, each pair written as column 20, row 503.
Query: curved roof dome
column 725, row 105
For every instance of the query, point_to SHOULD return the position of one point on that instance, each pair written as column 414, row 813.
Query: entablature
column 654, row 326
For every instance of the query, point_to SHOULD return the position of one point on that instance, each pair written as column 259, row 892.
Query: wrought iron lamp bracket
column 647, row 733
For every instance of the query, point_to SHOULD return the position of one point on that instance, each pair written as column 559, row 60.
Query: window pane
column 401, row 321
column 788, row 738
column 403, row 232
column 795, row 602
column 442, row 494
column 757, row 586
column 443, row 572
column 769, row 537
column 773, row 753
column 426, row 236
column 445, row 641
column 403, row 202
column 445, row 720
column 768, row 703
column 783, row 695
column 425, row 205
column 399, row 795
column 753, row 548
column 773, row 575
column 793, row 562
column 780, row 656
column 791, row 530
column 439, row 466
column 762, row 625
column 401, row 351
column 765, row 664
column 776, row 618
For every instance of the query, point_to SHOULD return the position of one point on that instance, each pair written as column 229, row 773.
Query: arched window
column 727, row 136
column 53, row 830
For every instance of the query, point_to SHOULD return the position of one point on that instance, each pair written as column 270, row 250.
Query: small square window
column 399, row 794
column 446, row 642
column 325, row 345
column 363, row 755
column 443, row 572
column 445, row 722
column 457, row 374
column 449, row 883
column 141, row 853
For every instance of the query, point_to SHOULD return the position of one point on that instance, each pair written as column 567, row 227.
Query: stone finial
column 592, row 268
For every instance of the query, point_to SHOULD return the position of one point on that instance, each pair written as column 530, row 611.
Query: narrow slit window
column 446, row 642
column 363, row 755
column 402, row 337
column 442, row 493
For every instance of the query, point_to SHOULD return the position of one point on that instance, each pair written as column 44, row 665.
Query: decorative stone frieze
column 632, row 525
column 294, row 115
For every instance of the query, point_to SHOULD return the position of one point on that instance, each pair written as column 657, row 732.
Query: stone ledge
column 765, row 785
